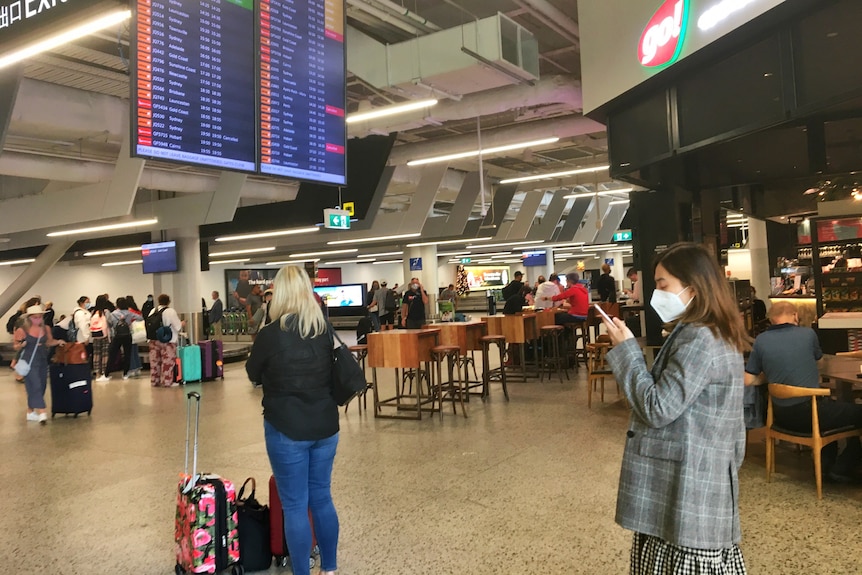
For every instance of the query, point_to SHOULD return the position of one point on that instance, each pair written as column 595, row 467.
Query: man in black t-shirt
column 413, row 305
column 513, row 287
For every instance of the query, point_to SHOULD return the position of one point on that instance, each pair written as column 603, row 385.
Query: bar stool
column 579, row 333
column 450, row 354
column 551, row 358
column 360, row 352
column 498, row 374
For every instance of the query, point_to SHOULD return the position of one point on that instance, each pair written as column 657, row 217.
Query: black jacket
column 607, row 288
column 296, row 375
column 511, row 289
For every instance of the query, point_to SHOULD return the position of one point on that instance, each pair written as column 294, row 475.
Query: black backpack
column 155, row 327
column 363, row 328
column 10, row 325
column 122, row 328
column 390, row 301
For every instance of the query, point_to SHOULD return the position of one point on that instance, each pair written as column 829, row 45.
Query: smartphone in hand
column 604, row 315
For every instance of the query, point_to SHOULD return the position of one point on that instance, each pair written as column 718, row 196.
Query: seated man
column 786, row 353
column 578, row 299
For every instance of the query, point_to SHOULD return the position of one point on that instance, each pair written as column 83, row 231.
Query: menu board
column 194, row 90
column 302, row 89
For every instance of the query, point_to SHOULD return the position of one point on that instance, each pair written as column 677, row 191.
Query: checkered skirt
column 654, row 556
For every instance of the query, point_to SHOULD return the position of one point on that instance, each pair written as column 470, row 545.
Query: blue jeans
column 375, row 320
column 303, row 473
column 134, row 358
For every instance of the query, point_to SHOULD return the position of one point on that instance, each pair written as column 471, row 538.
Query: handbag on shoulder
column 348, row 379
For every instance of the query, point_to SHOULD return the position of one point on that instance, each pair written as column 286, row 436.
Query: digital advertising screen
column 159, row 258
column 303, row 134
column 240, row 282
column 479, row 277
column 193, row 90
column 342, row 296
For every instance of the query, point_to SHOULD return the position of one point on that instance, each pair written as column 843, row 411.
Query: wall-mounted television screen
column 159, row 258
column 532, row 259
column 346, row 299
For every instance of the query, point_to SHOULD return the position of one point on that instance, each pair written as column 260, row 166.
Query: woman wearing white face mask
column 678, row 487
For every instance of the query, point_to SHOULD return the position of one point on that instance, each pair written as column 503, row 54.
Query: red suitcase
column 212, row 360
column 276, row 530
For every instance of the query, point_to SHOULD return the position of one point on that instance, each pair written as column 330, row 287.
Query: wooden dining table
column 842, row 374
column 402, row 349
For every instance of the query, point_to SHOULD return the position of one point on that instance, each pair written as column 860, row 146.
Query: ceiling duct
column 414, row 68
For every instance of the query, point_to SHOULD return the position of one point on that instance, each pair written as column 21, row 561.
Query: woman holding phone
column 679, row 487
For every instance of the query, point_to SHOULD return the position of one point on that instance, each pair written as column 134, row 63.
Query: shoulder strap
column 333, row 334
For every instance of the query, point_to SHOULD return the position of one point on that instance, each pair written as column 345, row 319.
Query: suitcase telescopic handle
column 193, row 397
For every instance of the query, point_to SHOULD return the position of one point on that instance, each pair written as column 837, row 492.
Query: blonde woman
column 33, row 339
column 292, row 359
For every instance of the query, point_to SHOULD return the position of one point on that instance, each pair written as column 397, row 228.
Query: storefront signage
column 624, row 43
column 662, row 39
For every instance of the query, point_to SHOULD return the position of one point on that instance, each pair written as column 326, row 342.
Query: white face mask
column 415, row 286
column 668, row 306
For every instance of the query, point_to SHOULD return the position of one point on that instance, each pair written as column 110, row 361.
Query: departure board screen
column 302, row 89
column 194, row 89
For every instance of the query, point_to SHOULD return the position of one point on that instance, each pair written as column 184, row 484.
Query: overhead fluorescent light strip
column 599, row 193
column 510, row 244
column 274, row 234
column 360, row 261
column 484, row 152
column 390, row 111
column 374, row 239
column 388, row 262
column 17, row 262
column 69, row 35
column 107, row 227
column 234, row 261
column 383, row 255
column 328, row 253
column 111, row 252
column 294, row 262
column 555, row 175
column 238, row 252
column 125, row 263
column 619, row 202
column 449, row 242
column 598, row 247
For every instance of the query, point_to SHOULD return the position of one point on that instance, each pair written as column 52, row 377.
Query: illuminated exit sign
column 336, row 219
column 623, row 236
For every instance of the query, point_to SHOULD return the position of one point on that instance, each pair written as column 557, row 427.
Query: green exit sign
column 466, row 260
column 623, row 236
column 336, row 219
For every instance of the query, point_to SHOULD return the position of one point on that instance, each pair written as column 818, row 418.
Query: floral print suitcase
column 205, row 527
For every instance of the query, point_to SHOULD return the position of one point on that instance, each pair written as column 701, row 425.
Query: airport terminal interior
column 189, row 147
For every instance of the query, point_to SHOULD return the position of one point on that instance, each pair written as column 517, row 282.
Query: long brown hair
column 713, row 305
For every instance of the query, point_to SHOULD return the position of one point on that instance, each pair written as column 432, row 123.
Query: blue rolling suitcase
column 188, row 367
column 71, row 389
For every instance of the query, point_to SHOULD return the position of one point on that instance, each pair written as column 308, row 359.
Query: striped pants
column 163, row 358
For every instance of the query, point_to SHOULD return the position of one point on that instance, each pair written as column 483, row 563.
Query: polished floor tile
column 524, row 487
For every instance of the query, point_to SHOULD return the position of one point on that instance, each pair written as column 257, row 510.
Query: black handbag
column 348, row 379
column 253, row 528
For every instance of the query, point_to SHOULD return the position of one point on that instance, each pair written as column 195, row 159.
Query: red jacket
column 578, row 298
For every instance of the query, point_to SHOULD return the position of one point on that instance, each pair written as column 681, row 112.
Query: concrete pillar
column 184, row 286
column 44, row 261
column 758, row 250
column 427, row 275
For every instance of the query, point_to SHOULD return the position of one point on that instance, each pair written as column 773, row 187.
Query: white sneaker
column 43, row 418
column 103, row 378
column 32, row 416
column 125, row 377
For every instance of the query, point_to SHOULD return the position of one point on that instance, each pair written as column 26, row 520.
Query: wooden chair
column 815, row 440
column 597, row 370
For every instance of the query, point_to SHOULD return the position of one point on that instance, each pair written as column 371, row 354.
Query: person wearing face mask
column 33, row 339
column 679, row 485
column 81, row 317
column 413, row 305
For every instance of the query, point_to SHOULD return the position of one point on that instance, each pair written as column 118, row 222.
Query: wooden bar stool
column 498, row 374
column 551, row 358
column 449, row 354
column 360, row 352
column 579, row 333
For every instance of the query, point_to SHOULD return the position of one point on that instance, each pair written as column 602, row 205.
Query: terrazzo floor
column 525, row 487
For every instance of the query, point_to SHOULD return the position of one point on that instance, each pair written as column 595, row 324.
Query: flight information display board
column 194, row 87
column 302, row 89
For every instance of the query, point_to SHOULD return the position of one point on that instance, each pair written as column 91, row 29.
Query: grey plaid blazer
column 686, row 439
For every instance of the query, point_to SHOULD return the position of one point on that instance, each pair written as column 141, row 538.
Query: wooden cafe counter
column 401, row 349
